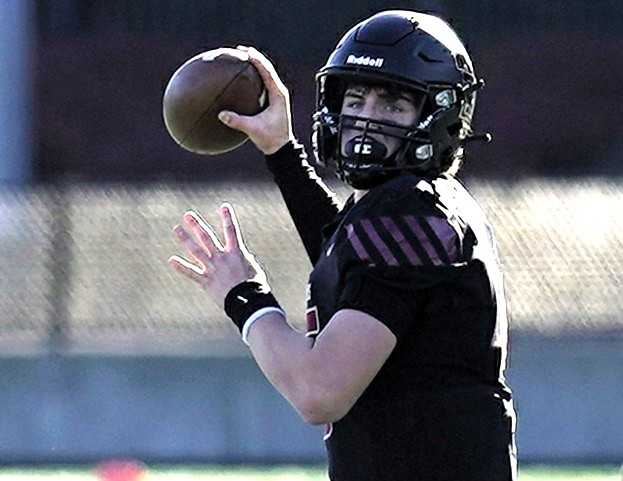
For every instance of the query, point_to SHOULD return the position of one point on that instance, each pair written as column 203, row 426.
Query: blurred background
column 106, row 353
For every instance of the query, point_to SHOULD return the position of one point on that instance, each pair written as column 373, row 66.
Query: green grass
column 572, row 473
column 283, row 473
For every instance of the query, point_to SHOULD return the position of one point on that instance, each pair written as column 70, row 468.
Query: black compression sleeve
column 310, row 203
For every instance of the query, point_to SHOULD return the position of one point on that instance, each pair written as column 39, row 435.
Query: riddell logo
column 365, row 60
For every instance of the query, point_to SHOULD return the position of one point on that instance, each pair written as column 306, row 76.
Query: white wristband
column 254, row 317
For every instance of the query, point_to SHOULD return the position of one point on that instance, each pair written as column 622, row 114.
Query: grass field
column 283, row 473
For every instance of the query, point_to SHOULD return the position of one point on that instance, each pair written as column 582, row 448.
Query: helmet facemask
column 363, row 161
column 362, row 165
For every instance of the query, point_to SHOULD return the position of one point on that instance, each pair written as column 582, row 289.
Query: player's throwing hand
column 215, row 266
column 271, row 129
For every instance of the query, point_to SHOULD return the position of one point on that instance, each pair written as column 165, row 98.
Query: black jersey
column 419, row 256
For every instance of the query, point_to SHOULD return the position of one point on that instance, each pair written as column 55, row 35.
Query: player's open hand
column 215, row 266
column 271, row 129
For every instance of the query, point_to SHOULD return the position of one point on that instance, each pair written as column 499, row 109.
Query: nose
column 369, row 111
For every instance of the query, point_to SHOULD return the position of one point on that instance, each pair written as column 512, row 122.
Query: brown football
column 206, row 84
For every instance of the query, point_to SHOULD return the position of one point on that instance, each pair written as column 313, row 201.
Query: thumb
column 235, row 121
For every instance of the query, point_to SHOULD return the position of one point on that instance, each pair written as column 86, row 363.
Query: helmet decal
column 365, row 60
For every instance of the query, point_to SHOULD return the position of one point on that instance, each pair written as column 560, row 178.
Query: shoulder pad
column 403, row 224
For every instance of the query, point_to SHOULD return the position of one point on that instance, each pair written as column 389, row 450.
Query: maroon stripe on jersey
column 369, row 229
column 401, row 240
column 425, row 241
column 313, row 326
column 446, row 235
column 413, row 240
column 356, row 243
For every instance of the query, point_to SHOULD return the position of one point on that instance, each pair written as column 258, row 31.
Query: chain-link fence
column 84, row 266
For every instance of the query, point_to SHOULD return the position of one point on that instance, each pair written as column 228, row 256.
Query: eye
column 394, row 108
column 352, row 104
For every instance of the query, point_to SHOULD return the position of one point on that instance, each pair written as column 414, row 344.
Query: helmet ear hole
column 454, row 130
column 334, row 89
column 324, row 139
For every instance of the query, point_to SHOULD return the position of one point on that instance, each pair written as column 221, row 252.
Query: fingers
column 214, row 267
column 209, row 244
column 244, row 123
column 203, row 231
column 234, row 240
column 267, row 72
column 200, row 254
column 231, row 229
column 188, row 269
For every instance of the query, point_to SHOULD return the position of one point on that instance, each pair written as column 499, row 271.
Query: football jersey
column 419, row 256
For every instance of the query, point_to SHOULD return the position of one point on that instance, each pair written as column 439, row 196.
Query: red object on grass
column 121, row 470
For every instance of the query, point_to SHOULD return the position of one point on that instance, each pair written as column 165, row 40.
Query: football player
column 405, row 350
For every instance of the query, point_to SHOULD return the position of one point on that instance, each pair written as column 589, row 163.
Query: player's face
column 377, row 103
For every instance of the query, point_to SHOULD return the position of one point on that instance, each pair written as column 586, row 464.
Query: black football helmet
column 403, row 50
